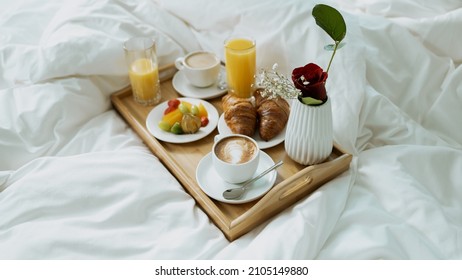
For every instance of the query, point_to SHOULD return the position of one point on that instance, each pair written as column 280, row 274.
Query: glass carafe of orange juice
column 240, row 56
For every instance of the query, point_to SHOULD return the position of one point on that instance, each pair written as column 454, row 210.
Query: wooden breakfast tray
column 293, row 182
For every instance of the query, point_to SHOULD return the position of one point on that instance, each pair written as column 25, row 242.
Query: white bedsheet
column 77, row 183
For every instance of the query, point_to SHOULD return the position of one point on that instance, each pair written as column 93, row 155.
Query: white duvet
column 77, row 183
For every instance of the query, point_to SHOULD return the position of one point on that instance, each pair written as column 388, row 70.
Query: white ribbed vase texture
column 309, row 135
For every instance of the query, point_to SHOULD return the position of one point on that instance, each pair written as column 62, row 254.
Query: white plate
column 262, row 144
column 182, row 86
column 156, row 115
column 212, row 184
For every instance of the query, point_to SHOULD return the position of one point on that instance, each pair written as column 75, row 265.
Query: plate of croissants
column 261, row 118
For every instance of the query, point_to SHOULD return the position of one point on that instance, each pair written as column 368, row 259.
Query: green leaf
column 311, row 101
column 331, row 21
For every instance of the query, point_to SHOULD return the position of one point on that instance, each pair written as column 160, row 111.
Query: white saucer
column 157, row 112
column 183, row 87
column 212, row 184
column 262, row 144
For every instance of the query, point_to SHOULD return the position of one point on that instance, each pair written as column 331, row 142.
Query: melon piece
column 202, row 111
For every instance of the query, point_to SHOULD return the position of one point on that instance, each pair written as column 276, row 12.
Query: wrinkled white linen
column 77, row 183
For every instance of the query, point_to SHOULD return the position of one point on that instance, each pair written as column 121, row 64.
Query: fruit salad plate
column 156, row 114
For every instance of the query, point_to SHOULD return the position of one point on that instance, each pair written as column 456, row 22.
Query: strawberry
column 168, row 110
column 173, row 103
column 204, row 121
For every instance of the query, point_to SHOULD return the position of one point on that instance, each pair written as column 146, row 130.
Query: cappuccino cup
column 201, row 68
column 235, row 157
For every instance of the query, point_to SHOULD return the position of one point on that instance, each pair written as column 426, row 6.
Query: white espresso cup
column 235, row 157
column 201, row 68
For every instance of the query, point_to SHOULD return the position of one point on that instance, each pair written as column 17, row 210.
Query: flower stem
column 332, row 57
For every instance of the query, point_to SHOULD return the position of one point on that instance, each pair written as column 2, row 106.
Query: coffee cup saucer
column 185, row 88
column 214, row 186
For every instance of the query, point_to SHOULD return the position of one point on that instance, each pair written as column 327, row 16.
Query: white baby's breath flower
column 276, row 85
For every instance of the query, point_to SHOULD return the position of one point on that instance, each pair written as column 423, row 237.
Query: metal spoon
column 222, row 85
column 236, row 193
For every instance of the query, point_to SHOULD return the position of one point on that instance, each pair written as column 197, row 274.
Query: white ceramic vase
column 309, row 135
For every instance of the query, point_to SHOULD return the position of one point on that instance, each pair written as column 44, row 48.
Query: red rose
column 310, row 80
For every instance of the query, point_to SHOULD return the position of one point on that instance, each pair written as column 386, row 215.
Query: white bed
column 77, row 183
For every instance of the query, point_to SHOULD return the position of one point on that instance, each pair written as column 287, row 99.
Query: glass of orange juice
column 143, row 71
column 240, row 56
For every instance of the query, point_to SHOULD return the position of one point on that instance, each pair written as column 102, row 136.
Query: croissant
column 240, row 115
column 273, row 115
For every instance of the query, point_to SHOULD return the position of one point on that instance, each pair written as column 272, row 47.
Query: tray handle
column 289, row 191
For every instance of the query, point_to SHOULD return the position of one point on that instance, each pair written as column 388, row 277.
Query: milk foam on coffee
column 201, row 60
column 235, row 150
